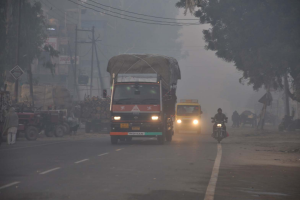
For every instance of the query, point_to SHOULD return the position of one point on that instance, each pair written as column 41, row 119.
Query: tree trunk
column 30, row 85
column 286, row 96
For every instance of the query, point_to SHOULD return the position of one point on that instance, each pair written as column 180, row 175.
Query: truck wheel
column 31, row 133
column 169, row 137
column 161, row 139
column 87, row 127
column 59, row 131
column 113, row 139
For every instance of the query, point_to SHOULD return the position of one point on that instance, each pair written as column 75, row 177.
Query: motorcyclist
column 219, row 117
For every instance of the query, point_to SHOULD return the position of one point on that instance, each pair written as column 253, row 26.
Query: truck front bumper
column 136, row 129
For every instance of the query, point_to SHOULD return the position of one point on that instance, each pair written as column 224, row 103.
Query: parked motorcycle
column 219, row 131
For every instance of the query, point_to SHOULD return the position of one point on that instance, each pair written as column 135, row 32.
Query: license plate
column 136, row 128
column 126, row 125
column 136, row 133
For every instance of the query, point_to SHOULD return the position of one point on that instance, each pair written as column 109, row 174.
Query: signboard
column 65, row 60
column 64, row 41
column 266, row 99
column 16, row 72
column 53, row 42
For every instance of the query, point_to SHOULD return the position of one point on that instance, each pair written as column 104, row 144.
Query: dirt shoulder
column 259, row 165
column 269, row 147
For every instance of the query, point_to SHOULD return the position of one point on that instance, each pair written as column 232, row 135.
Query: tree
column 261, row 37
column 32, row 37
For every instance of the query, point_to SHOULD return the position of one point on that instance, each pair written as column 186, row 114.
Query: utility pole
column 92, row 63
column 98, row 66
column 93, row 43
column 75, row 65
column 18, row 48
column 286, row 96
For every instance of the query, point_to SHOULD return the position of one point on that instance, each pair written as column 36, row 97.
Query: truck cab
column 136, row 107
column 188, row 116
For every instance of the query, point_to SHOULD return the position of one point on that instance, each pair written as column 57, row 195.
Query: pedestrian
column 235, row 119
column 11, row 125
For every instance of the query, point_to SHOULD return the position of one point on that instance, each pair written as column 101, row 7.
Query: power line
column 86, row 53
column 139, row 13
column 127, row 18
column 150, row 20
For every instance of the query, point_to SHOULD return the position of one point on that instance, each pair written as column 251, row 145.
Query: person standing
column 235, row 119
column 11, row 125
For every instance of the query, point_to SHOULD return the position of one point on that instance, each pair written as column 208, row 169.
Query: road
column 92, row 168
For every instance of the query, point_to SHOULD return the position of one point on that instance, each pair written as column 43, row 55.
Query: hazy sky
column 214, row 82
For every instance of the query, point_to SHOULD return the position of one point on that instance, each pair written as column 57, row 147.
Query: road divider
column 210, row 191
column 80, row 161
column 50, row 170
column 9, row 185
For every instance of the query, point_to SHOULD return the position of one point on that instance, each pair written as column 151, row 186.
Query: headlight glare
column 154, row 117
column 219, row 125
column 195, row 121
column 117, row 118
column 179, row 121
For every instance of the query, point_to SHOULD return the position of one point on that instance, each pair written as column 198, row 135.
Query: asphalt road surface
column 92, row 168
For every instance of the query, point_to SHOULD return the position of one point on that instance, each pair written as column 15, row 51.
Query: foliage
column 261, row 37
column 46, row 58
column 32, row 37
column 2, row 40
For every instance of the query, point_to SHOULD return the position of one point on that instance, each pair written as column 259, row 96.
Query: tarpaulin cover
column 166, row 67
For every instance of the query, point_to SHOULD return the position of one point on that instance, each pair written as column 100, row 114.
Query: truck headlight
column 154, row 117
column 195, row 121
column 117, row 117
column 179, row 121
column 219, row 125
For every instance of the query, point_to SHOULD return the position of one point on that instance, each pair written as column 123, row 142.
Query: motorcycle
column 219, row 131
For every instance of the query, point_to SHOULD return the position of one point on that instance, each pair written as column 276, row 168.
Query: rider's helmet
column 219, row 110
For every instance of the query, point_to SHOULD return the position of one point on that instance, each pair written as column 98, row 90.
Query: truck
column 143, row 96
column 188, row 116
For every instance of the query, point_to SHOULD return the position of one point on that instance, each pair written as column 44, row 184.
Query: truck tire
column 31, row 133
column 59, row 131
column 169, row 137
column 113, row 139
column 161, row 139
column 87, row 127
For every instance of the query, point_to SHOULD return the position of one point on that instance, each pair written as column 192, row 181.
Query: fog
column 214, row 82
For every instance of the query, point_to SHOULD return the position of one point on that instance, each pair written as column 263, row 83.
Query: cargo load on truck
column 166, row 67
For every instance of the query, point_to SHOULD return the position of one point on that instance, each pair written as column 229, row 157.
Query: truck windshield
column 187, row 110
column 147, row 94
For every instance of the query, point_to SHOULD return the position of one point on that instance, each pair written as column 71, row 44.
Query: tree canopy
column 261, row 37
column 32, row 37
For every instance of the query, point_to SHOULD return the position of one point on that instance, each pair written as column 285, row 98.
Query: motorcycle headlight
column 195, row 121
column 179, row 121
column 154, row 117
column 117, row 117
column 219, row 125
